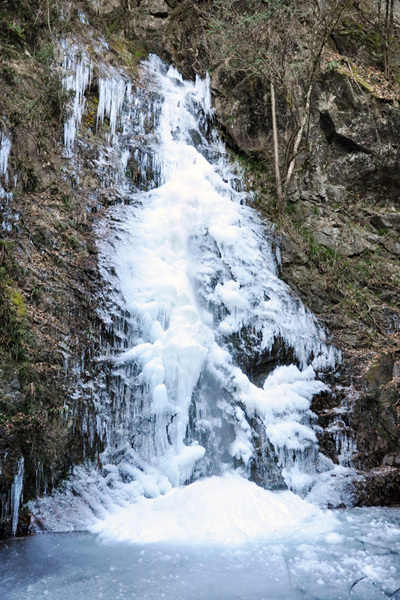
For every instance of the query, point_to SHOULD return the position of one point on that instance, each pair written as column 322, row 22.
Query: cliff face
column 339, row 231
column 49, row 285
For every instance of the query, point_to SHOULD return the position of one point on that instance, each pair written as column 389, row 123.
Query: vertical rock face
column 339, row 238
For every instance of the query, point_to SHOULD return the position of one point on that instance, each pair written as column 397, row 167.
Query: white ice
column 227, row 510
column 16, row 492
column 112, row 92
column 5, row 149
column 195, row 268
column 5, row 196
column 77, row 71
column 190, row 267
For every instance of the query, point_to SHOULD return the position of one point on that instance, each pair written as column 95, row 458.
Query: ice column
column 77, row 69
column 112, row 92
column 16, row 492
column 5, row 149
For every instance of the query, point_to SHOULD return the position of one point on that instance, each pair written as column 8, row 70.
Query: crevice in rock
column 160, row 15
column 333, row 137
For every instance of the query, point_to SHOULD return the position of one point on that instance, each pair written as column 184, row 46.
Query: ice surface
column 358, row 560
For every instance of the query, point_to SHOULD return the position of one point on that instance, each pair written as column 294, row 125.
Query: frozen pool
column 359, row 559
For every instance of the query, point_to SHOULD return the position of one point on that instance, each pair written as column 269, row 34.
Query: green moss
column 18, row 303
column 90, row 114
column 14, row 331
column 46, row 54
column 366, row 37
column 73, row 243
column 127, row 52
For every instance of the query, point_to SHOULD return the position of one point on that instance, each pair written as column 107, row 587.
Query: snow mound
column 226, row 510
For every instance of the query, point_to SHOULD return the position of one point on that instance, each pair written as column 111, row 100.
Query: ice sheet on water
column 226, row 510
column 357, row 560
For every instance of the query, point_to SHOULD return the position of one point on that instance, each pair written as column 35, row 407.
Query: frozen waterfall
column 195, row 304
column 198, row 278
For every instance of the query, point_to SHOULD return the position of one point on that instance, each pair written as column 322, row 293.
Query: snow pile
column 224, row 510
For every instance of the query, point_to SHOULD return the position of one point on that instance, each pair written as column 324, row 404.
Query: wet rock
column 392, row 460
column 376, row 416
column 380, row 487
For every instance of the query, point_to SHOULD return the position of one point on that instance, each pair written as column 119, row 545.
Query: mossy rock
column 18, row 303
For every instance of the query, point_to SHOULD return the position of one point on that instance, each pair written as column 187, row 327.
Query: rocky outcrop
column 378, row 411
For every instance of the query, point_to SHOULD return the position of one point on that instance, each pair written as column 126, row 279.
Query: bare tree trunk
column 388, row 35
column 329, row 28
column 48, row 18
column 276, row 152
column 298, row 137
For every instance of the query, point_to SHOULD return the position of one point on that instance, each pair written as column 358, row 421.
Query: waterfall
column 191, row 386
column 198, row 279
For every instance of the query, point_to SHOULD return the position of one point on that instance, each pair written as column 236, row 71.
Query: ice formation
column 5, row 196
column 193, row 300
column 77, row 75
column 199, row 278
column 227, row 510
column 5, row 149
column 16, row 493
column 112, row 93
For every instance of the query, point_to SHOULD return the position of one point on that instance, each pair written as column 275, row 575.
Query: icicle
column 5, row 149
column 112, row 92
column 77, row 68
column 16, row 492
